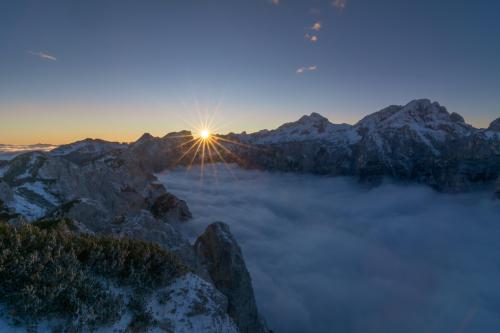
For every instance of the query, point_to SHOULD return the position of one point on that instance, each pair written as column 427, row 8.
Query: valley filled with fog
column 331, row 255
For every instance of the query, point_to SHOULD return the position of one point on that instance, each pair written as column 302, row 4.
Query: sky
column 394, row 258
column 116, row 69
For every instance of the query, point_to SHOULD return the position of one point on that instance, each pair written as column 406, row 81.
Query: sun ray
column 199, row 143
column 236, row 157
column 185, row 143
column 226, row 165
column 204, row 143
column 185, row 153
column 212, row 163
column 235, row 142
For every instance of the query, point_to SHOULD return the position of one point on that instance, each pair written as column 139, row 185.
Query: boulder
column 170, row 207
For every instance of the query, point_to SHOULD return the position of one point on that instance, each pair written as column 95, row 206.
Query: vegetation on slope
column 49, row 273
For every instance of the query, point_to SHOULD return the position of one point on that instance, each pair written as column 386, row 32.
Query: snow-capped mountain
column 420, row 120
column 110, row 188
column 87, row 149
column 420, row 141
column 311, row 127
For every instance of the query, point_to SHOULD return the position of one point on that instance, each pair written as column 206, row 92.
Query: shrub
column 47, row 273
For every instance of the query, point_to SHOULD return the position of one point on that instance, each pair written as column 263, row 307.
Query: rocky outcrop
column 224, row 260
column 495, row 125
column 169, row 206
column 92, row 193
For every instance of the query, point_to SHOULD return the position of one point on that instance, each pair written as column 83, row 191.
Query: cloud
column 329, row 255
column 311, row 38
column 43, row 55
column 339, row 4
column 275, row 2
column 8, row 152
column 302, row 70
column 316, row 26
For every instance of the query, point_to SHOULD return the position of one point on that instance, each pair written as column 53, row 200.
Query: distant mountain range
column 420, row 142
column 109, row 188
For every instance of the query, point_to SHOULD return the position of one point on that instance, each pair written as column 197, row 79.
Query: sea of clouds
column 330, row 255
column 8, row 152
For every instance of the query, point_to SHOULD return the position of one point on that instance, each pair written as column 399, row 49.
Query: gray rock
column 495, row 125
column 455, row 117
column 93, row 193
column 169, row 206
column 226, row 266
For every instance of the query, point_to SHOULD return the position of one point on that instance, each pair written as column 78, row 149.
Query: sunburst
column 204, row 147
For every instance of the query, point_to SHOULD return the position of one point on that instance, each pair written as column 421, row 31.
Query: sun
column 204, row 134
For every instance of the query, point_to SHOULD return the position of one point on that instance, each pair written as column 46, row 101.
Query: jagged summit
column 183, row 133
column 421, row 118
column 495, row 125
column 308, row 127
column 87, row 146
column 313, row 117
column 145, row 137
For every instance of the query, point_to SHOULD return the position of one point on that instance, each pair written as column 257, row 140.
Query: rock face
column 419, row 142
column 495, row 125
column 94, row 193
column 224, row 260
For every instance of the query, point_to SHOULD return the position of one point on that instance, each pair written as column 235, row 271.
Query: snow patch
column 40, row 189
column 191, row 304
column 23, row 206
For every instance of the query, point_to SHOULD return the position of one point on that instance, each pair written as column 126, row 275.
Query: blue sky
column 115, row 69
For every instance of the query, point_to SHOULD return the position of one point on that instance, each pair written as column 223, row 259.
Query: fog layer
column 329, row 255
column 8, row 152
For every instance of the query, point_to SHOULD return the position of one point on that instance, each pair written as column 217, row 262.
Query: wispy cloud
column 302, row 70
column 275, row 2
column 339, row 4
column 311, row 38
column 316, row 26
column 43, row 55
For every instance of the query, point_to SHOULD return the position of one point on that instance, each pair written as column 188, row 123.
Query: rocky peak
column 145, row 138
column 424, row 119
column 456, row 118
column 180, row 134
column 312, row 118
column 308, row 127
column 220, row 252
column 495, row 125
column 91, row 148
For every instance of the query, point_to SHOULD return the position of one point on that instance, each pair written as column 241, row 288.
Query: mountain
column 108, row 189
column 312, row 127
column 420, row 142
column 100, row 189
column 494, row 126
